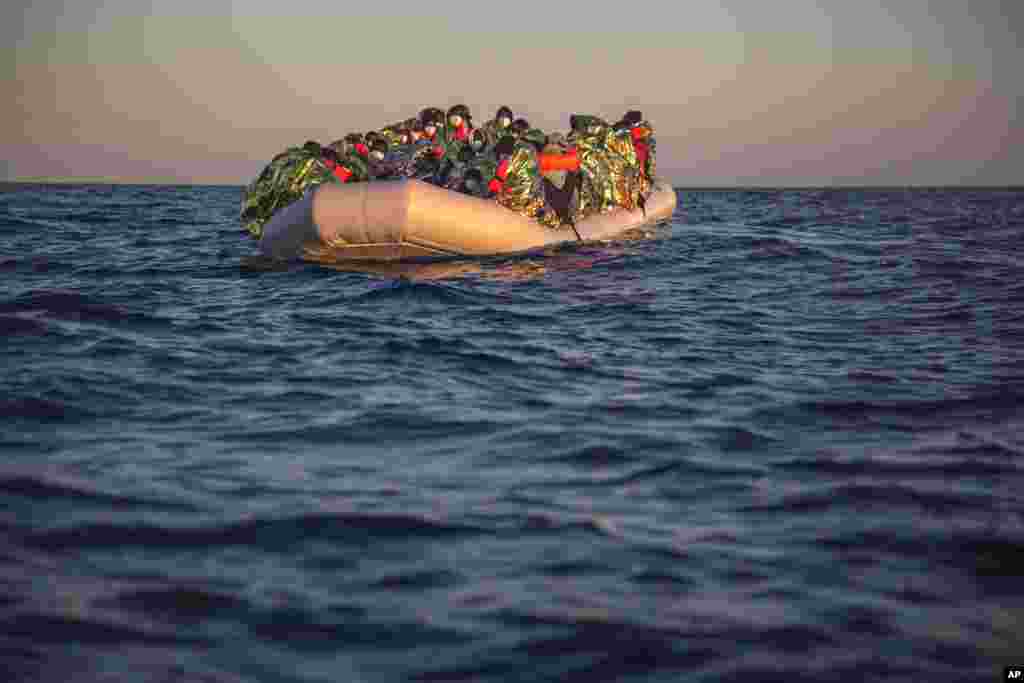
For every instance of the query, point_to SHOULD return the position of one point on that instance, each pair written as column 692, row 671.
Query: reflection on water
column 568, row 256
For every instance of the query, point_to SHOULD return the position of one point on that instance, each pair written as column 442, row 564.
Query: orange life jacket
column 498, row 181
column 559, row 161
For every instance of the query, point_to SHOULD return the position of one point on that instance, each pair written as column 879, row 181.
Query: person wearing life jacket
column 416, row 133
column 460, row 124
column 518, row 127
column 642, row 133
column 516, row 181
column 347, row 144
column 344, row 168
column 597, row 192
column 460, row 158
column 433, row 121
column 498, row 126
column 429, row 147
column 480, row 156
column 502, row 152
column 355, row 144
column 560, row 180
column 458, row 136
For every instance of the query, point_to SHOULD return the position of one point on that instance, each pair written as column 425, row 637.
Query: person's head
column 458, row 115
column 629, row 120
column 354, row 138
column 432, row 114
column 330, row 156
column 311, row 147
column 339, row 146
column 556, row 140
column 519, row 126
column 473, row 181
column 378, row 149
column 586, row 125
column 535, row 137
column 505, row 146
column 504, row 117
column 372, row 136
column 633, row 117
column 477, row 140
column 404, row 136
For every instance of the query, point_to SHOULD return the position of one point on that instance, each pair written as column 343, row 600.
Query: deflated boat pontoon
column 389, row 220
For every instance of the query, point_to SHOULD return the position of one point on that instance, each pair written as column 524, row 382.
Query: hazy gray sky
column 740, row 92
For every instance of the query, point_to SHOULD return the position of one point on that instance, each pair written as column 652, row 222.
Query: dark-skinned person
column 560, row 179
column 478, row 141
column 373, row 136
column 347, row 144
column 400, row 159
column 416, row 132
column 453, row 168
column 518, row 183
column 346, row 168
column 459, row 157
column 459, row 124
column 624, row 167
column 498, row 126
column 393, row 133
column 359, row 144
column 482, row 157
column 597, row 187
column 502, row 153
column 473, row 183
column 518, row 127
column 642, row 133
column 285, row 179
column 428, row 154
column 384, row 162
column 433, row 120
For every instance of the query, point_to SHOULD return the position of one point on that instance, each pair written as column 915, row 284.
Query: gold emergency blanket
column 521, row 191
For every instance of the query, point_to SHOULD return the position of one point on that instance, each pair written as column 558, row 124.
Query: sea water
column 780, row 437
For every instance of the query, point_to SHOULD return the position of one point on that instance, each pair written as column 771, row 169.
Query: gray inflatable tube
column 399, row 219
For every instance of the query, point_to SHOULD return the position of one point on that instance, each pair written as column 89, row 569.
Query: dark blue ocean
column 780, row 438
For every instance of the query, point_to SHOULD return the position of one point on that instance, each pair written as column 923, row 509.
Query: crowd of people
column 556, row 179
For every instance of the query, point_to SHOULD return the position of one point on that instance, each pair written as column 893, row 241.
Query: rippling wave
column 777, row 438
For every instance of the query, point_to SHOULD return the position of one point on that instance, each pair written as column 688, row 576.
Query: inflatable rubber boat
column 391, row 220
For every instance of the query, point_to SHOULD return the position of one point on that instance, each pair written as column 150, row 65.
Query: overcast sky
column 740, row 92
